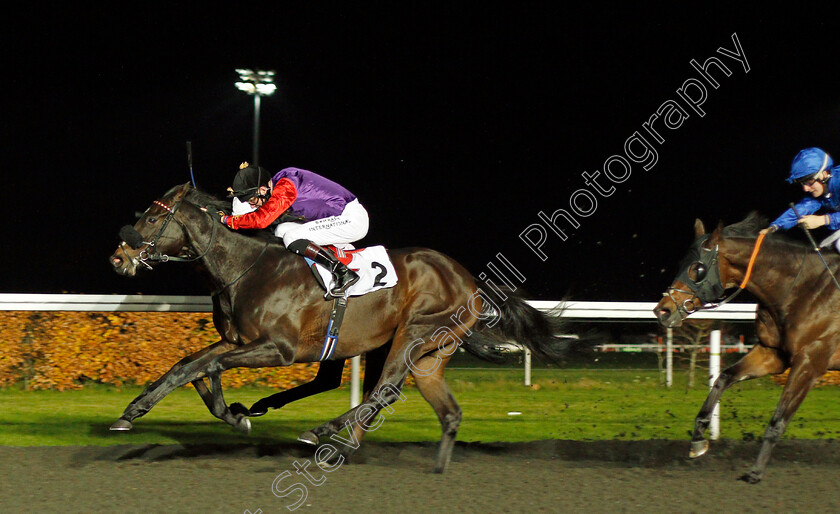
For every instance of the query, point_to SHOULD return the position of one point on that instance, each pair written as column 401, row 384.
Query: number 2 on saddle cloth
column 375, row 270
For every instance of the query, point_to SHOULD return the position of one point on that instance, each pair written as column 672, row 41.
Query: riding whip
column 814, row 244
column 189, row 161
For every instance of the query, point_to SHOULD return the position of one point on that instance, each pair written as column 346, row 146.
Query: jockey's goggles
column 807, row 181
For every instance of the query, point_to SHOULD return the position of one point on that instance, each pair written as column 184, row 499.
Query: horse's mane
column 213, row 204
column 747, row 227
column 784, row 243
column 204, row 199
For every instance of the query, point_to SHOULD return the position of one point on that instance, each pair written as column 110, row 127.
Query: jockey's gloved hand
column 813, row 221
column 222, row 215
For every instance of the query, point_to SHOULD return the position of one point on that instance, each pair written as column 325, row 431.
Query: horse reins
column 162, row 257
column 748, row 273
column 219, row 290
column 147, row 256
column 697, row 294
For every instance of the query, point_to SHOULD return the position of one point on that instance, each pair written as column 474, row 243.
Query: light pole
column 257, row 83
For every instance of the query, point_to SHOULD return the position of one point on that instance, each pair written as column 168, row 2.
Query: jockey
column 333, row 215
column 812, row 169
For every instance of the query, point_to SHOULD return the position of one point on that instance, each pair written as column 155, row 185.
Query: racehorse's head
column 156, row 235
column 700, row 282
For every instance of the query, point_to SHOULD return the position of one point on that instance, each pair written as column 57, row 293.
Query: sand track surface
column 542, row 476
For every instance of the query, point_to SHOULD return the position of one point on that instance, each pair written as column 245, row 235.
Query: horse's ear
column 183, row 190
column 699, row 228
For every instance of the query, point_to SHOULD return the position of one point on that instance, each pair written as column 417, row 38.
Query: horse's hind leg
column 758, row 362
column 327, row 379
column 358, row 421
column 434, row 389
column 411, row 345
column 388, row 376
column 804, row 372
column 374, row 362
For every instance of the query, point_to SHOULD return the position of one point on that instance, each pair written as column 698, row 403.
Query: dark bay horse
column 269, row 312
column 798, row 323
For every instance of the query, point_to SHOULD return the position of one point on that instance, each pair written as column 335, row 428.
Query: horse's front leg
column 215, row 401
column 758, row 362
column 150, row 395
column 804, row 373
column 256, row 354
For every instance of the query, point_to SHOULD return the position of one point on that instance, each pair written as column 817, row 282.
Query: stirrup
column 329, row 295
column 341, row 292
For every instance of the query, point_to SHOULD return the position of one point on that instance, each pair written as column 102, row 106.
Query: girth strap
column 336, row 317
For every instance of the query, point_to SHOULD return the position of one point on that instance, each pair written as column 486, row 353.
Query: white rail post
column 669, row 358
column 714, row 371
column 355, row 371
column 527, row 367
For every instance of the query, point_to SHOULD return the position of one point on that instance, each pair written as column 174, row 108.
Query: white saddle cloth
column 373, row 264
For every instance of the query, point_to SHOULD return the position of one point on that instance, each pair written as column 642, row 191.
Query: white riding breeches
column 832, row 240
column 349, row 226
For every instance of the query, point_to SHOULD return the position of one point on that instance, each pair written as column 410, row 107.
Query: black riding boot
column 343, row 276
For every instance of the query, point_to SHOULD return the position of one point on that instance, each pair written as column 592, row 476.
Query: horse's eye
column 697, row 272
column 151, row 220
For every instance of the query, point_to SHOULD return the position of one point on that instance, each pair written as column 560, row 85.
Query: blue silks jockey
column 814, row 170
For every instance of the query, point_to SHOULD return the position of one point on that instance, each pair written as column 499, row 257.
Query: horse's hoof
column 753, row 477
column 309, row 438
column 243, row 425
column 259, row 408
column 698, row 449
column 122, row 425
column 335, row 461
column 256, row 411
column 237, row 409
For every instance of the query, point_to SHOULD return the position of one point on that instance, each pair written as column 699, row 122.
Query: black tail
column 546, row 334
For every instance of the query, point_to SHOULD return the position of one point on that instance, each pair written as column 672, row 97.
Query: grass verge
column 564, row 404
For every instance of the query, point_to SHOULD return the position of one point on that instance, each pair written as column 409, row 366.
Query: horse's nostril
column 116, row 261
column 664, row 313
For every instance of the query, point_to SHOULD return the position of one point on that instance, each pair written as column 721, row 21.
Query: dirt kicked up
column 543, row 476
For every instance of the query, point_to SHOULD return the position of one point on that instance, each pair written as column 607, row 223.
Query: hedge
column 66, row 350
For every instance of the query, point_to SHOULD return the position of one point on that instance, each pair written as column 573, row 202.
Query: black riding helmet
column 248, row 180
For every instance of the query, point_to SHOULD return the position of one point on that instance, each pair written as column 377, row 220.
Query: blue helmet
column 809, row 161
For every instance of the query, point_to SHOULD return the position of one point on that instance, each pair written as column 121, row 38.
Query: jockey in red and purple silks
column 333, row 215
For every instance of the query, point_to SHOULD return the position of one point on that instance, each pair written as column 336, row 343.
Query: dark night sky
column 455, row 127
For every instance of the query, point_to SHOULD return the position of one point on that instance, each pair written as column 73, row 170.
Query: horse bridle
column 150, row 253
column 706, row 284
column 145, row 255
column 702, row 276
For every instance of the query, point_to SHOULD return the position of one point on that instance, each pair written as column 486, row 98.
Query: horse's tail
column 510, row 319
